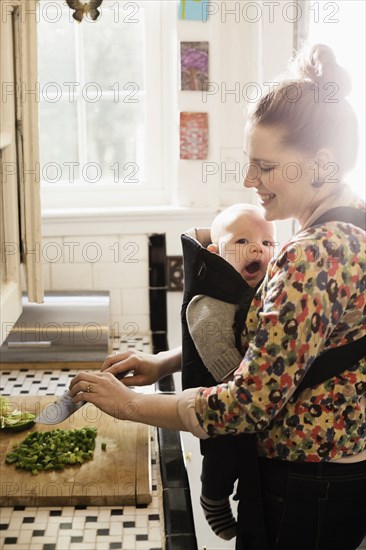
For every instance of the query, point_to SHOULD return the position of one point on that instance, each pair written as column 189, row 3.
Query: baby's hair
column 310, row 104
column 230, row 214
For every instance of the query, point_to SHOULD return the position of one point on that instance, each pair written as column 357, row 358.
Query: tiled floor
column 79, row 528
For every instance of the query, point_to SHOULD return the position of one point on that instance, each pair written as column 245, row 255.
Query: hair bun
column 318, row 64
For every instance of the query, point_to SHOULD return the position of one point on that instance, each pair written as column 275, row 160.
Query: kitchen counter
column 166, row 523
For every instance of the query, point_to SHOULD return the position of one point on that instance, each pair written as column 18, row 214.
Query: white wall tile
column 136, row 275
column 116, row 301
column 174, row 320
column 120, row 275
column 52, row 250
column 134, row 247
column 71, row 277
column 135, row 301
column 107, row 276
column 130, row 326
column 91, row 249
column 46, row 276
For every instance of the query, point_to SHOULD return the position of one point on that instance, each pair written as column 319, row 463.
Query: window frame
column 159, row 111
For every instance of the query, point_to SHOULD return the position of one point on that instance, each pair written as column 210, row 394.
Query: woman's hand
column 146, row 367
column 105, row 392
column 114, row 398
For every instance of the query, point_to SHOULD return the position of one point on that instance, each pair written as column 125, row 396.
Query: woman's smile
column 265, row 198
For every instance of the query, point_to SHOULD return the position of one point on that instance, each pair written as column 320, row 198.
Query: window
column 334, row 23
column 101, row 96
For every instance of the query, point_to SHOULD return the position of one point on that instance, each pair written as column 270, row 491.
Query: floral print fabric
column 312, row 299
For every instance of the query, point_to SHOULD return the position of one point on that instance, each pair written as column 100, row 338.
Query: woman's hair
column 310, row 103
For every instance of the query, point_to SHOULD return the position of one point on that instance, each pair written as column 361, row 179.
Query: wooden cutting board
column 118, row 476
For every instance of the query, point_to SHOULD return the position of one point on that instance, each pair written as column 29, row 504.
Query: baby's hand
column 213, row 248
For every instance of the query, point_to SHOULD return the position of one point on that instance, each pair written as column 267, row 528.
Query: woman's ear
column 323, row 166
column 213, row 248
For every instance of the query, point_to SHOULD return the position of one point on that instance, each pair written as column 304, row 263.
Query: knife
column 57, row 412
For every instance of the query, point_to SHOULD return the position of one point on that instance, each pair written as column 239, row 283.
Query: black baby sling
column 208, row 274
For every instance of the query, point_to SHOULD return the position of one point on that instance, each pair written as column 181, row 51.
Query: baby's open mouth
column 253, row 267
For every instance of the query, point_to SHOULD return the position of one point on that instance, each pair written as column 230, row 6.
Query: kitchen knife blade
column 63, row 407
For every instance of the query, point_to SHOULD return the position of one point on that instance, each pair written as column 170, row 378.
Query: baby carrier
column 209, row 274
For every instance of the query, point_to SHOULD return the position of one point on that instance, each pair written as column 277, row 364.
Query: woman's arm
column 146, row 367
column 114, row 398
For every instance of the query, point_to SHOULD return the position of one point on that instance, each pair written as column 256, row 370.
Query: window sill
column 143, row 213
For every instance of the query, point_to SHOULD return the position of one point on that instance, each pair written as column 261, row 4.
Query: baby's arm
column 210, row 323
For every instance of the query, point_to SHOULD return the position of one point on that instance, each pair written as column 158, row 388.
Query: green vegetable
column 104, row 446
column 53, row 450
column 4, row 406
column 17, row 421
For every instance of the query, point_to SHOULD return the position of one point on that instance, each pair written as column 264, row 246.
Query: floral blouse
column 312, row 299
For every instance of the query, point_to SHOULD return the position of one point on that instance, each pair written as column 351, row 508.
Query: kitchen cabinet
column 20, row 227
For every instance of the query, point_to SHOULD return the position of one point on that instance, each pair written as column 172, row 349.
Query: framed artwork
column 193, row 136
column 194, row 65
column 194, row 10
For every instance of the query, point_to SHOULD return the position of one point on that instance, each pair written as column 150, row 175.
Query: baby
column 241, row 236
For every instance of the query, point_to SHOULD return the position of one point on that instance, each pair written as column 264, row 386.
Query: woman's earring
column 318, row 183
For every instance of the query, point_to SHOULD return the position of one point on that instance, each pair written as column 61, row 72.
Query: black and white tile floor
column 80, row 527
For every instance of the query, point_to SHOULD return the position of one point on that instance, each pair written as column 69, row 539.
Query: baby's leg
column 219, row 516
column 217, row 486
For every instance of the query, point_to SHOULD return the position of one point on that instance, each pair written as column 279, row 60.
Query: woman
column 301, row 139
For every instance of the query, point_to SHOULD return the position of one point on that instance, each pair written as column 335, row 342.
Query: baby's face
column 247, row 244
